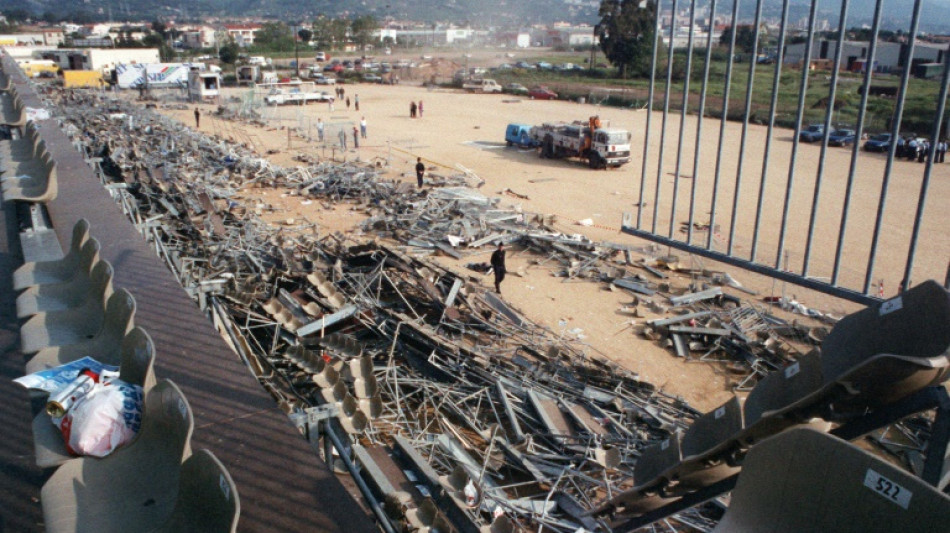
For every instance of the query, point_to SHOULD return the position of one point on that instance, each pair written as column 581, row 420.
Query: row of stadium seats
column 27, row 168
column 153, row 483
column 871, row 359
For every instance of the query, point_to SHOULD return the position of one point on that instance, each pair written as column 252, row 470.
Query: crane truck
column 600, row 146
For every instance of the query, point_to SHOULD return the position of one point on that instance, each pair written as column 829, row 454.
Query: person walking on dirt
column 412, row 110
column 498, row 266
column 342, row 140
column 363, row 127
column 420, row 108
column 420, row 171
column 347, row 103
column 197, row 118
column 356, row 103
column 320, row 129
column 356, row 138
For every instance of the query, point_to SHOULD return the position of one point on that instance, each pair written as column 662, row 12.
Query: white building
column 198, row 36
column 887, row 57
column 243, row 34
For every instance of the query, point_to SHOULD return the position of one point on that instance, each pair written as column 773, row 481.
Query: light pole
column 296, row 56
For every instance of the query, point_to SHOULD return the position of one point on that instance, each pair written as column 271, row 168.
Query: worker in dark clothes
column 197, row 118
column 498, row 266
column 420, row 170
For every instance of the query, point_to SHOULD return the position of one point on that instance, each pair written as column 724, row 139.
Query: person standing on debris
column 356, row 138
column 342, row 139
column 420, row 171
column 356, row 102
column 363, row 127
column 412, row 110
column 197, row 118
column 420, row 108
column 320, row 129
column 498, row 266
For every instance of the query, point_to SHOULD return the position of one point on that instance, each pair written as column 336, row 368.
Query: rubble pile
column 390, row 342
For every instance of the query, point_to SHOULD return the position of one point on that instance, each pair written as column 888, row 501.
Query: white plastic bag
column 106, row 418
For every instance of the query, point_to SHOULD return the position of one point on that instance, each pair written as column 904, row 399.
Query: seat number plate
column 887, row 488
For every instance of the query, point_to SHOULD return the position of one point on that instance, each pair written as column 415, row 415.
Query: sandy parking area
column 467, row 129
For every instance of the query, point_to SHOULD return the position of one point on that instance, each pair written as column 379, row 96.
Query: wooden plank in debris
column 689, row 330
column 680, row 347
column 327, row 321
column 693, row 297
column 500, row 306
column 635, row 286
column 678, row 319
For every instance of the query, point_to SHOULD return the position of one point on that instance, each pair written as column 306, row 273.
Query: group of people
column 912, row 148
column 414, row 109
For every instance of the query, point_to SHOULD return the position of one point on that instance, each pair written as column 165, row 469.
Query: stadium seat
column 649, row 476
column 69, row 294
column 890, row 350
column 207, row 500
column 44, row 188
column 138, row 358
column 105, row 346
column 135, row 488
column 69, row 326
column 805, row 481
column 770, row 407
column 707, row 445
column 60, row 270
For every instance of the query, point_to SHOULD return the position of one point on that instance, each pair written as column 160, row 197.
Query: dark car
column 841, row 138
column 812, row 133
column 542, row 93
column 523, row 64
column 879, row 143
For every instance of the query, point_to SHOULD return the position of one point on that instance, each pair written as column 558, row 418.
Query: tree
column 745, row 38
column 626, row 31
column 274, row 36
column 228, row 53
column 305, row 35
column 362, row 29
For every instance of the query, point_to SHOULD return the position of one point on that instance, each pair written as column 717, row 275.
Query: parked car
column 519, row 134
column 879, row 143
column 812, row 133
column 516, row 88
column 523, row 64
column 542, row 93
column 544, row 65
column 841, row 138
column 372, row 78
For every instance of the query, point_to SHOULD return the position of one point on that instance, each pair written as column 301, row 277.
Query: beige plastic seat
column 70, row 326
column 351, row 417
column 69, row 294
column 136, row 367
column 132, row 490
column 427, row 517
column 707, row 445
column 25, row 172
column 60, row 270
column 772, row 405
column 890, row 350
column 105, row 346
column 208, row 499
column 18, row 159
column 44, row 189
column 804, row 481
column 26, row 144
column 650, row 478
column 13, row 111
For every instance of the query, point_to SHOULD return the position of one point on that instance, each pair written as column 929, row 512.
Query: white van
column 257, row 60
column 320, row 57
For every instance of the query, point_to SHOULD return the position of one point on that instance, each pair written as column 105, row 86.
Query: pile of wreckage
column 461, row 414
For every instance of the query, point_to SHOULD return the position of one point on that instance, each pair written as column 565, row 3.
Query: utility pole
column 296, row 55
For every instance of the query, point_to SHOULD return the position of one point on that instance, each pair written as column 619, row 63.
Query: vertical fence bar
column 722, row 127
column 753, row 61
column 858, row 132
column 679, row 145
column 666, row 114
column 925, row 185
column 699, row 121
column 776, row 85
column 895, row 133
column 646, row 137
column 802, row 90
column 829, row 113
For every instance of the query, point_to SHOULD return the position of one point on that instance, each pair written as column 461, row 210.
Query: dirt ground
column 460, row 130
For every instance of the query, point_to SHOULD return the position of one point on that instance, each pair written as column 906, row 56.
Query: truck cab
column 613, row 145
column 519, row 134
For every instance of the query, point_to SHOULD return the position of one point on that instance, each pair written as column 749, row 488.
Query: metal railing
column 822, row 239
